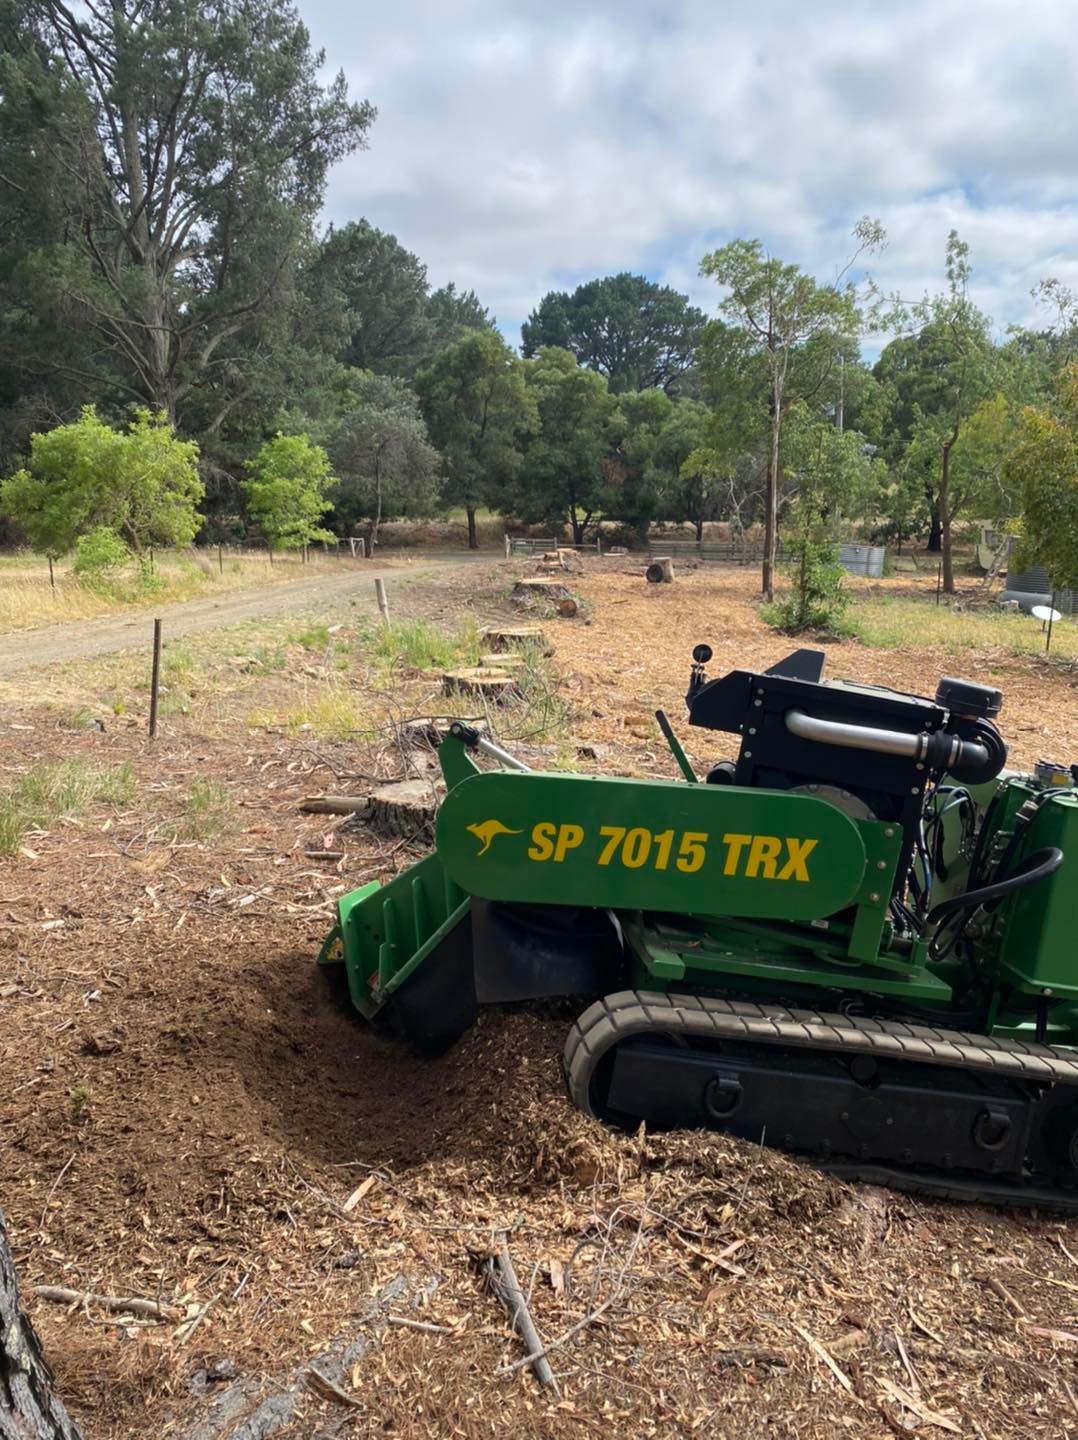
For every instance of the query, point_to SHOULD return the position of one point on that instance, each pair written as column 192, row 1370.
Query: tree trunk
column 771, row 517
column 28, row 1408
column 377, row 520
column 699, row 532
column 577, row 526
column 945, row 515
column 473, row 539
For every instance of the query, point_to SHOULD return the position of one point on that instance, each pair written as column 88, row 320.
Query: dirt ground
column 189, row 1115
column 57, row 644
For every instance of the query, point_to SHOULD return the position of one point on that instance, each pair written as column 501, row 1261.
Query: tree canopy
column 635, row 332
column 141, row 483
column 385, row 465
column 790, row 328
column 179, row 155
column 286, row 491
column 479, row 415
column 1043, row 464
column 562, row 479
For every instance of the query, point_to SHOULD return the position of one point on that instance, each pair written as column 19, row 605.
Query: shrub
column 99, row 553
column 817, row 600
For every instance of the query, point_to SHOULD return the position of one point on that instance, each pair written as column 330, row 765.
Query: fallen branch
column 592, row 1315
column 192, row 1325
column 997, row 1287
column 124, row 1304
column 506, row 1286
column 53, row 1189
column 426, row 1325
column 832, row 1364
column 330, row 1389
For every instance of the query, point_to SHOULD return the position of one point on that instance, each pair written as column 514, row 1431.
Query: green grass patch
column 266, row 660
column 330, row 711
column 59, row 790
column 902, row 624
column 208, row 812
column 417, row 645
column 316, row 637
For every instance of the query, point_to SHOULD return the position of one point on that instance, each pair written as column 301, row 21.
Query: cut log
column 490, row 684
column 27, row 1405
column 552, row 594
column 334, row 804
column 660, row 571
column 514, row 638
column 406, row 808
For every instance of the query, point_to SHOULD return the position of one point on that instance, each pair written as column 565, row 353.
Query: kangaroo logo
column 489, row 831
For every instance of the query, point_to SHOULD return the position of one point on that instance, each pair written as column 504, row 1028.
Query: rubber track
column 619, row 1016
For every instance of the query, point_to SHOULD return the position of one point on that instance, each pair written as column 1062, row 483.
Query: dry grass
column 28, row 600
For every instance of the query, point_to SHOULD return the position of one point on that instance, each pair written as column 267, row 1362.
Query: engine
column 875, row 753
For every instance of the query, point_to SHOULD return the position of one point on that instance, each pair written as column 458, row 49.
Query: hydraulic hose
column 1037, row 866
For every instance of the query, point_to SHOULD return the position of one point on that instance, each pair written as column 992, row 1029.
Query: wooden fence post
column 383, row 603
column 155, row 677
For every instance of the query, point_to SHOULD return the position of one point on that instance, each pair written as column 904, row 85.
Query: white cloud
column 526, row 146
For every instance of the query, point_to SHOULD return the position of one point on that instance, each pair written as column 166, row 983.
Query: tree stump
column 538, row 591
column 494, row 685
column 505, row 661
column 407, row 808
column 552, row 561
column 513, row 639
column 28, row 1408
column 660, row 571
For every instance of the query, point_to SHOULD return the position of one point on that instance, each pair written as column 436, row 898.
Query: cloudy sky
column 527, row 146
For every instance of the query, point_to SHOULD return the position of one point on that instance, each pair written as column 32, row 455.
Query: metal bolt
column 881, row 864
column 889, row 833
column 1047, row 990
column 915, row 789
column 748, row 754
column 757, row 702
column 873, row 898
column 845, row 1115
column 752, row 729
column 890, row 1120
column 918, row 767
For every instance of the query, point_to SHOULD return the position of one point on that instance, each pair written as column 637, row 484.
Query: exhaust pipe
column 939, row 750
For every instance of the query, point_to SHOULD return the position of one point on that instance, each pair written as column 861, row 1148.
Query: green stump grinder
column 857, row 941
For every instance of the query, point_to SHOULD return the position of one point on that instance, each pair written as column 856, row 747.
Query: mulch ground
column 189, row 1114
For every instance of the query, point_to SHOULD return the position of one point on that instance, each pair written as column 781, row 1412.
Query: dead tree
column 28, row 1408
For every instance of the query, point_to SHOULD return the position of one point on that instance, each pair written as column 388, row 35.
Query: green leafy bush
column 817, row 600
column 99, row 553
